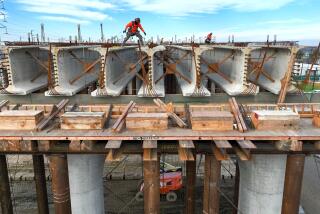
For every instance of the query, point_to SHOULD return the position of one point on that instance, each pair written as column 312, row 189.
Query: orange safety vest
column 133, row 27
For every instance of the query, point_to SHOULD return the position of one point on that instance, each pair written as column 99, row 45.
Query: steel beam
column 211, row 191
column 264, row 97
column 58, row 165
column 293, row 183
column 40, row 181
column 151, row 173
column 5, row 194
column 190, row 186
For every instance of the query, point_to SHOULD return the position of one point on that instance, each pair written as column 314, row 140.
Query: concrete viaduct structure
column 270, row 162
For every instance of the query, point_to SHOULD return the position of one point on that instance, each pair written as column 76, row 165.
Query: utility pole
column 43, row 37
column 102, row 35
column 38, row 38
column 79, row 34
column 31, row 35
column 29, row 39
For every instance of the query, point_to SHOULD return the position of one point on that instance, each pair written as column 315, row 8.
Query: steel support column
column 5, row 195
column 190, row 186
column 40, row 181
column 151, row 173
column 58, row 165
column 211, row 194
column 292, row 183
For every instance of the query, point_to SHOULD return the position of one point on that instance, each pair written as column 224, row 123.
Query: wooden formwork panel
column 20, row 120
column 275, row 120
column 211, row 120
column 82, row 120
column 147, row 121
column 85, row 117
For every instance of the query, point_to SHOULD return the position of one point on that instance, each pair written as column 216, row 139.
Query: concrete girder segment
column 226, row 66
column 26, row 69
column 75, row 68
column 121, row 65
column 267, row 66
column 183, row 62
column 154, row 87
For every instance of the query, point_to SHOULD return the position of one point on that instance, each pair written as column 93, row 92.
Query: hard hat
column 137, row 20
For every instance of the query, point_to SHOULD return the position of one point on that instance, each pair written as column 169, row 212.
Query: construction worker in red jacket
column 208, row 39
column 133, row 30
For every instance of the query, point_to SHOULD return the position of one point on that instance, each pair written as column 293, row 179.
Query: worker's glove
column 124, row 31
column 145, row 33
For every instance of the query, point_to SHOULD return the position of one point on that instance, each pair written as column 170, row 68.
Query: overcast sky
column 247, row 20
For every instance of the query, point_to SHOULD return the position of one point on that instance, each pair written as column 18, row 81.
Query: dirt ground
column 121, row 182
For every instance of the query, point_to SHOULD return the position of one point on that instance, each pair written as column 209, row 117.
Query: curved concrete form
column 183, row 63
column 154, row 86
column 261, row 184
column 227, row 67
column 86, row 183
column 27, row 69
column 121, row 65
column 74, row 69
column 267, row 67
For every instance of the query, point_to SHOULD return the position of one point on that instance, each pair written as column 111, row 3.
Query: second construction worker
column 133, row 30
column 208, row 38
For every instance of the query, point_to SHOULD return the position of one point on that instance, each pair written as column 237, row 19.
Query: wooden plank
column 211, row 185
column 293, row 183
column 185, row 154
column 28, row 146
column 219, row 153
column 169, row 108
column 82, row 120
column 55, row 111
column 317, row 145
column 246, row 144
column 147, row 121
column 286, row 79
column 150, row 144
column 236, row 116
column 150, row 155
column 123, row 116
column 75, row 146
column 186, row 144
column 223, row 144
column 243, row 154
column 289, row 145
column 275, row 120
column 20, row 119
column 236, row 106
column 211, row 120
column 115, row 154
column 113, row 144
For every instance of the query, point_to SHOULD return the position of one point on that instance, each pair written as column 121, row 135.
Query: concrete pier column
column 293, row 183
column 58, row 165
column 86, row 183
column 40, row 181
column 261, row 184
column 310, row 196
column 5, row 194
